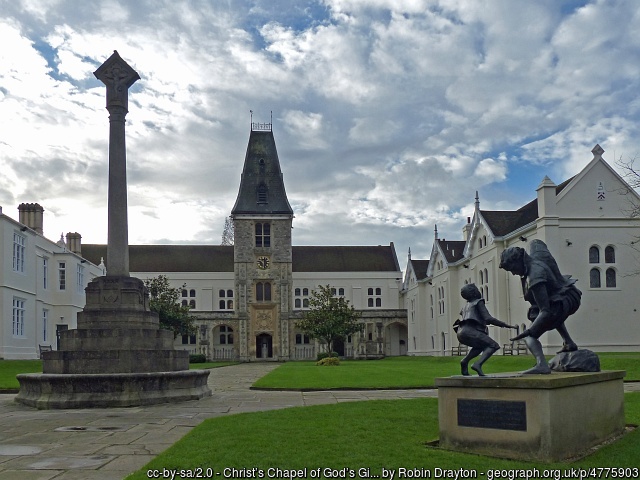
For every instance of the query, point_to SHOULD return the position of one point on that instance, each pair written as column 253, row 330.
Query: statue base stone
column 118, row 356
column 545, row 418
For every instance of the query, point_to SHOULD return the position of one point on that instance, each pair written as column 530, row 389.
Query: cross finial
column 118, row 76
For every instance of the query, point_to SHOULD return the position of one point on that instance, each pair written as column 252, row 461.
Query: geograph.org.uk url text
column 572, row 473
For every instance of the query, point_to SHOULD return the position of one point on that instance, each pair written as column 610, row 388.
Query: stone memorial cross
column 118, row 76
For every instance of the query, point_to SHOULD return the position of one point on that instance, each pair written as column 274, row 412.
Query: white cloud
column 388, row 114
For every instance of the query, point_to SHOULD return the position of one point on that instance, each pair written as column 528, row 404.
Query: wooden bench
column 44, row 348
column 515, row 348
column 459, row 350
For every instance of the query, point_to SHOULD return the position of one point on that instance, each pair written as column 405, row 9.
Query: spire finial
column 597, row 151
column 477, row 201
column 436, row 232
column 409, row 253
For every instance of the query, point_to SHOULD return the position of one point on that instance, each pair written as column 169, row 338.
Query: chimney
column 31, row 215
column 466, row 229
column 74, row 242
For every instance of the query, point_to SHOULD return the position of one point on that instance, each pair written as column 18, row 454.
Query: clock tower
column 262, row 219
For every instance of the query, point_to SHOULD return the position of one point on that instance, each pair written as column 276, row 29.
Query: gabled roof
column 453, row 250
column 503, row 222
column 261, row 185
column 219, row 258
column 420, row 268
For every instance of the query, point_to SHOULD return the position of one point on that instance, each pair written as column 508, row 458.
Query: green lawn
column 10, row 368
column 357, row 435
column 410, row 372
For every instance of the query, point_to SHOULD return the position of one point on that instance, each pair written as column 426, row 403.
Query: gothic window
column 341, row 292
column 263, row 235
column 484, row 284
column 188, row 339
column 595, row 274
column 302, row 339
column 609, row 254
column 263, row 292
column 431, row 306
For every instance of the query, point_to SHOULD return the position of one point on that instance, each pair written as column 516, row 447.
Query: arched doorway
column 264, row 346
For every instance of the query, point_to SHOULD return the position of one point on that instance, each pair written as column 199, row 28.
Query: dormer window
column 262, row 193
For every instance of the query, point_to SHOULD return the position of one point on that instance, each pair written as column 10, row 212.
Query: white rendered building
column 41, row 284
column 584, row 223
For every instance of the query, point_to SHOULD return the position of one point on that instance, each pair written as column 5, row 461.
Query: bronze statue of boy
column 553, row 297
column 472, row 329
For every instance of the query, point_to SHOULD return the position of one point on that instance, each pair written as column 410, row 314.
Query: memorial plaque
column 497, row 414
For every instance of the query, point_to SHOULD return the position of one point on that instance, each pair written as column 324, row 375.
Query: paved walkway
column 108, row 444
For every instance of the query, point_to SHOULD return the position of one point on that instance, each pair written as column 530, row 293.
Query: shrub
column 197, row 358
column 322, row 355
column 329, row 362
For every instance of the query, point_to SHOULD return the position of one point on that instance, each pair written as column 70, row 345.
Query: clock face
column 263, row 263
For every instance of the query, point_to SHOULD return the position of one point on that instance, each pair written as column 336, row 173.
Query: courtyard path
column 108, row 444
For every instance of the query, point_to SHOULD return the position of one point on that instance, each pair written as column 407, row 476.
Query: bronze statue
column 472, row 330
column 553, row 297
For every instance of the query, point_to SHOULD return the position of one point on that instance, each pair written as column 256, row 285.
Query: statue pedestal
column 117, row 357
column 530, row 417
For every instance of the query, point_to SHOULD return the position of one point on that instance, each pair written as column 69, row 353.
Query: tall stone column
column 117, row 76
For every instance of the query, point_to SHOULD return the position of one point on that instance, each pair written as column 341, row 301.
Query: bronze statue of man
column 472, row 331
column 553, row 297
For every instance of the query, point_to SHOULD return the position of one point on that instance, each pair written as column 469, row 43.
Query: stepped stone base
column 50, row 391
column 117, row 357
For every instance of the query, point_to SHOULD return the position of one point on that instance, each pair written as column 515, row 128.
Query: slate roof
column 453, row 249
column 345, row 259
column 261, row 172
column 219, row 258
column 420, row 268
column 503, row 222
column 169, row 258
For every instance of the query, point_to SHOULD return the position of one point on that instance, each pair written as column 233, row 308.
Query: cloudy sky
column 388, row 115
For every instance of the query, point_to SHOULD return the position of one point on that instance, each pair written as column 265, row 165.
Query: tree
column 165, row 301
column 632, row 176
column 330, row 318
column 228, row 232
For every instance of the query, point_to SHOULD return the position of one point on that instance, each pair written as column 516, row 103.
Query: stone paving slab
column 108, row 444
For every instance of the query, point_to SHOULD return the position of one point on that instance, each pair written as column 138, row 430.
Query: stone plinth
column 47, row 391
column 530, row 417
column 117, row 302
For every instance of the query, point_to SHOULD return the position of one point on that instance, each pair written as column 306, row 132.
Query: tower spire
column 261, row 185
